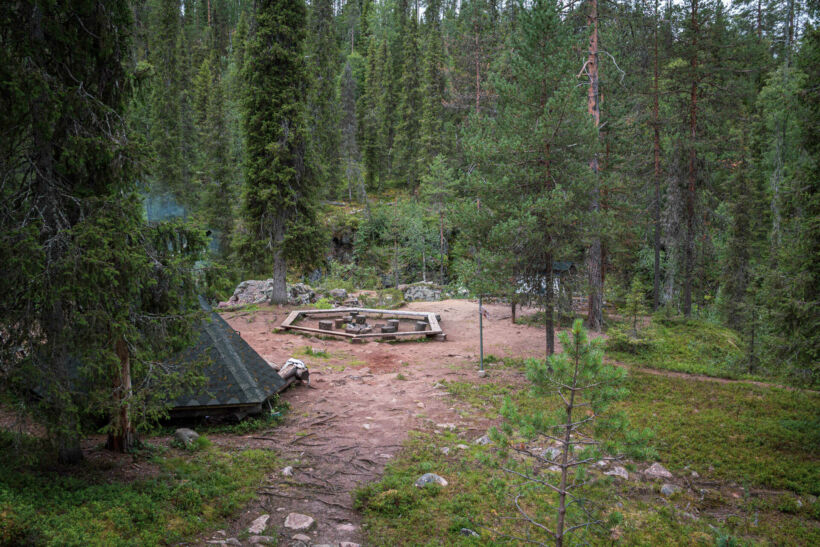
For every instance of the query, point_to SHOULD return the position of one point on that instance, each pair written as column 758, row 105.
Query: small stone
column 601, row 463
column 554, row 469
column 695, row 475
column 618, row 471
column 449, row 426
column 220, row 533
column 445, row 450
column 346, row 527
column 288, row 471
column 469, row 533
column 233, row 541
column 657, row 471
column 348, row 544
column 299, row 522
column 669, row 489
column 462, row 446
column 301, row 537
column 186, row 436
column 261, row 540
column 258, row 525
column 430, row 478
column 550, row 453
column 366, row 426
column 482, row 373
column 483, row 440
column 420, row 404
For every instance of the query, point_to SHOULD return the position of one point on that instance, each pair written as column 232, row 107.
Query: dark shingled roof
column 236, row 374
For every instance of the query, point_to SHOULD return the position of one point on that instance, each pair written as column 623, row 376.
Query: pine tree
column 531, row 177
column 280, row 191
column 431, row 129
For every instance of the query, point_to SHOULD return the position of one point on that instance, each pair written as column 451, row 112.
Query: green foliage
column 188, row 494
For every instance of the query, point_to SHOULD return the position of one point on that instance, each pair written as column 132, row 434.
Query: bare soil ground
column 363, row 401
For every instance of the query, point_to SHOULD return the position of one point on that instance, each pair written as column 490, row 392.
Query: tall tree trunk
column 122, row 436
column 279, row 295
column 441, row 246
column 549, row 306
column 688, row 265
column 595, row 316
column 656, row 287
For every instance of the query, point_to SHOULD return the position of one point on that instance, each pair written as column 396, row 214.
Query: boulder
column 300, row 294
column 252, row 291
column 469, row 533
column 550, row 453
column 484, row 439
column 619, row 472
column 425, row 292
column 657, row 471
column 669, row 489
column 258, row 525
column 430, row 478
column 338, row 294
column 185, row 436
column 299, row 523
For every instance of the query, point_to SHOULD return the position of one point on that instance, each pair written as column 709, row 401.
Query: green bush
column 624, row 339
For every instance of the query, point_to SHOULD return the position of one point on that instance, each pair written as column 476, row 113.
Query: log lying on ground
column 294, row 371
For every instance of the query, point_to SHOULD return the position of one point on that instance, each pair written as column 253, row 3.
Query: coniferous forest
column 659, row 161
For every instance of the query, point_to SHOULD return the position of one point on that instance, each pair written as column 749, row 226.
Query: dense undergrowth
column 44, row 504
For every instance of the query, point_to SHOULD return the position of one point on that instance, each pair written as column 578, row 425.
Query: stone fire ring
column 432, row 319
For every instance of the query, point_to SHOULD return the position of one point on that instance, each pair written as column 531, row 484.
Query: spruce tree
column 407, row 157
column 323, row 67
column 280, row 190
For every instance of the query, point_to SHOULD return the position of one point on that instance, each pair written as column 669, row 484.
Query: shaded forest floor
column 378, row 415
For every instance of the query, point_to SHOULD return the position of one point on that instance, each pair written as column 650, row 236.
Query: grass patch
column 43, row 504
column 759, row 436
column 691, row 346
column 742, row 439
column 480, row 497
column 312, row 352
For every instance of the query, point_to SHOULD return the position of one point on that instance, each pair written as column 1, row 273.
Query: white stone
column 430, row 478
column 258, row 525
column 462, row 446
column 366, row 426
column 657, row 471
column 348, row 544
column 445, row 450
column 261, row 540
column 482, row 373
column 346, row 527
column 299, row 522
column 449, row 426
column 288, row 471
column 484, row 439
column 301, row 537
column 618, row 471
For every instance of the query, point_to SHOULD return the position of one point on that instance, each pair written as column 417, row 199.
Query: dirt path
column 363, row 402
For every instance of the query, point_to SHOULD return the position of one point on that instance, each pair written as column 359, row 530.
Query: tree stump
column 393, row 323
column 421, row 326
column 326, row 325
column 347, row 318
column 339, row 323
column 389, row 329
column 360, row 319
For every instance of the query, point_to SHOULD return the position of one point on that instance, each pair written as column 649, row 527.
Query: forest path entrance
column 363, row 401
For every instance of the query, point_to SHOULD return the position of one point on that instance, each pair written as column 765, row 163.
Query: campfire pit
column 361, row 324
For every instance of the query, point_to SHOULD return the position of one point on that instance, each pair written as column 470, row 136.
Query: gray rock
column 669, row 489
column 300, row 294
column 301, row 537
column 445, row 450
column 483, row 440
column 262, row 540
column 550, row 453
column 462, row 446
column 258, row 525
column 299, row 522
column 348, row 544
column 482, row 373
column 233, row 541
column 657, row 471
column 430, row 478
column 695, row 475
column 338, row 294
column 185, row 436
column 251, row 292
column 346, row 527
column 618, row 471
column 425, row 292
column 469, row 533
column 288, row 471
